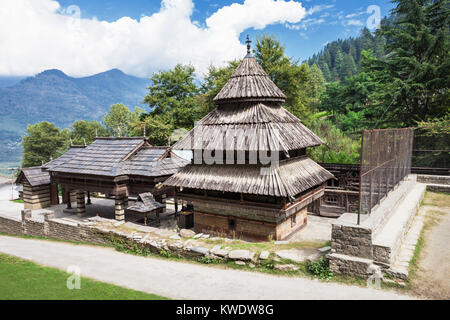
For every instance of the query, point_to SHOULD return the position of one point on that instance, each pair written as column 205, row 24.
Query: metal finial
column 96, row 133
column 71, row 142
column 84, row 139
column 249, row 42
column 144, row 132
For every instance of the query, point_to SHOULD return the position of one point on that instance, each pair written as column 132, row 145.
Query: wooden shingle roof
column 249, row 82
column 290, row 178
column 259, row 126
column 152, row 162
column 72, row 152
column 118, row 156
column 34, row 175
column 102, row 157
column 147, row 205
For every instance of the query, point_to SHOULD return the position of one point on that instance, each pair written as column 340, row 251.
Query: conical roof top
column 249, row 82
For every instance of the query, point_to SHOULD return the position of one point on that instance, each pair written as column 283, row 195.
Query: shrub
column 320, row 269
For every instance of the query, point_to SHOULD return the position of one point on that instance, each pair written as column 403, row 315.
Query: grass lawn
column 17, row 201
column 21, row 279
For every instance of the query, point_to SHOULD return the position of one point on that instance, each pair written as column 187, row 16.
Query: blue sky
column 300, row 44
column 141, row 37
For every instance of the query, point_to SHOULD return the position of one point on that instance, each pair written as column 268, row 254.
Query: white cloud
column 37, row 35
column 354, row 22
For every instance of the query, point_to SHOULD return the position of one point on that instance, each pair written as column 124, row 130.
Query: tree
column 119, row 119
column 290, row 77
column 348, row 68
column 43, row 142
column 414, row 76
column 85, row 131
column 173, row 94
column 156, row 130
column 338, row 63
column 213, row 82
column 339, row 148
column 316, row 85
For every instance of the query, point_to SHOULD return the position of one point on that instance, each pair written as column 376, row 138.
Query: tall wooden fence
column 385, row 162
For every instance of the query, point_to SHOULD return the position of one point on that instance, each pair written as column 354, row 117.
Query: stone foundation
column 247, row 229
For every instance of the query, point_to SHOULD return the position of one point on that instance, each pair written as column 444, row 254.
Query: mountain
column 7, row 81
column 56, row 97
column 342, row 58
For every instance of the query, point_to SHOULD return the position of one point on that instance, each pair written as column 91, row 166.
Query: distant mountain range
column 56, row 97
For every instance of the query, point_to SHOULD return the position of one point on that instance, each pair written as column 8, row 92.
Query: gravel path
column 434, row 263
column 179, row 280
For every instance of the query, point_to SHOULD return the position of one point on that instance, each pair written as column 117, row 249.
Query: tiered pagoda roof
column 250, row 103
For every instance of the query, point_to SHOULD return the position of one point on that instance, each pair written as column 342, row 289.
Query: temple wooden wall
column 36, row 197
column 231, row 221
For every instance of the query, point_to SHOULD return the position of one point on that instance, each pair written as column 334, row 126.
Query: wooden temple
column 117, row 167
column 243, row 196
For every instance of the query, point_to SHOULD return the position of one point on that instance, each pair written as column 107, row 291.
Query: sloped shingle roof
column 290, row 178
column 118, row 156
column 35, row 176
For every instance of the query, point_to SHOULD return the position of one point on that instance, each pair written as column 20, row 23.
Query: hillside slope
column 55, row 97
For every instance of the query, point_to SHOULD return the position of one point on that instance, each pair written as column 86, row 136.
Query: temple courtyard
column 429, row 269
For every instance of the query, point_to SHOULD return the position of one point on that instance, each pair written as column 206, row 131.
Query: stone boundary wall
column 351, row 240
column 10, row 225
column 52, row 228
column 90, row 233
column 429, row 179
column 355, row 248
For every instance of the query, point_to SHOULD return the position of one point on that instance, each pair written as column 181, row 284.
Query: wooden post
column 175, row 200
column 81, row 205
column 88, row 198
column 69, row 200
column 54, row 198
column 119, row 209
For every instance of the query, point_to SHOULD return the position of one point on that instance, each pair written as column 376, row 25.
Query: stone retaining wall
column 10, row 225
column 351, row 240
column 429, row 179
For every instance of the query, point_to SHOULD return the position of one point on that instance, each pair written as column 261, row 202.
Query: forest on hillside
column 342, row 58
column 397, row 76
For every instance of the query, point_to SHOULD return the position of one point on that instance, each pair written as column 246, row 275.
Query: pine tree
column 338, row 65
column 415, row 74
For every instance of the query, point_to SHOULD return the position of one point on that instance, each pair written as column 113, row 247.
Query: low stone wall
column 350, row 265
column 109, row 232
column 64, row 231
column 351, row 240
column 429, row 179
column 10, row 225
column 34, row 227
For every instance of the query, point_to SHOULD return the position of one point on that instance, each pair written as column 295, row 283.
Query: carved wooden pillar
column 119, row 208
column 81, row 205
column 54, row 198
column 69, row 200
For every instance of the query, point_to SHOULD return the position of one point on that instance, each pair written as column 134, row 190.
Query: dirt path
column 180, row 280
column 432, row 278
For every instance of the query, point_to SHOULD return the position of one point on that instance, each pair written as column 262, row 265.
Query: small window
column 232, row 224
column 332, row 200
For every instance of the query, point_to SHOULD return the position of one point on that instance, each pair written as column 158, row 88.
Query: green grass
column 17, row 201
column 21, row 279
